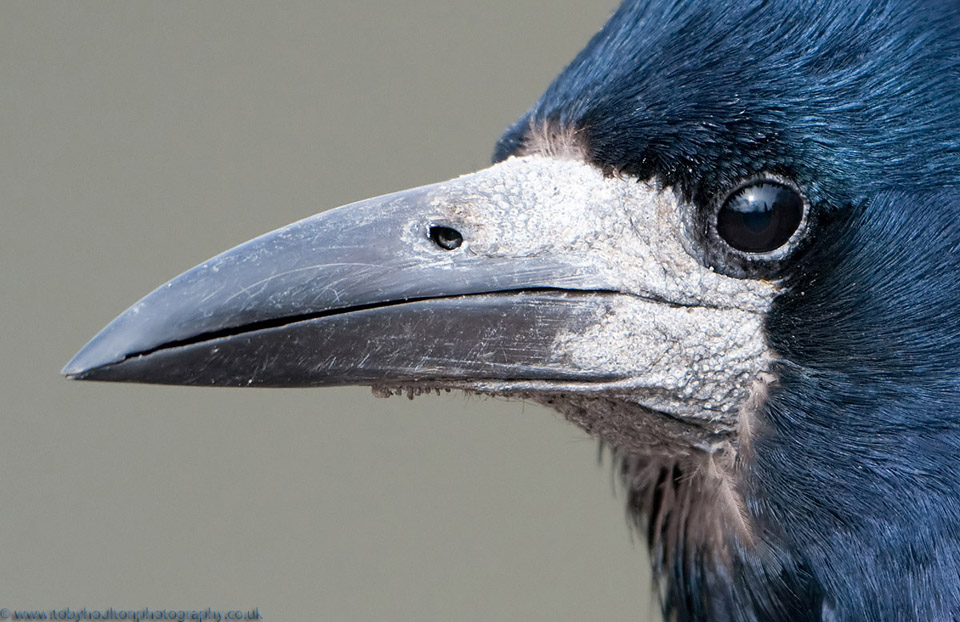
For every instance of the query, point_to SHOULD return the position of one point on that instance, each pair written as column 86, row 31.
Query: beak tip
column 78, row 368
column 92, row 357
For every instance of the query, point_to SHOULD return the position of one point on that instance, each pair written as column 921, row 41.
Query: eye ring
column 760, row 216
column 753, row 229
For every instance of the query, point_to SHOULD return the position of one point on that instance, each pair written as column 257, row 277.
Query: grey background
column 136, row 140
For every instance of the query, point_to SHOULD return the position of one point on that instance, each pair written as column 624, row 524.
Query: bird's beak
column 391, row 289
column 494, row 280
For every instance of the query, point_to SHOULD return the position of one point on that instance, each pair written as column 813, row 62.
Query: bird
column 725, row 242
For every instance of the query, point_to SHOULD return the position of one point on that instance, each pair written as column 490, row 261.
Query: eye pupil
column 757, row 222
column 760, row 217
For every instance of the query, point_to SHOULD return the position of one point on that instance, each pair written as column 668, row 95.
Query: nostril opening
column 445, row 237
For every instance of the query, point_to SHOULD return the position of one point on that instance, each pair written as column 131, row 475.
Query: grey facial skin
column 566, row 281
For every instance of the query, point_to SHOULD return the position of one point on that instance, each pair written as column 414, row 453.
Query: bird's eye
column 756, row 229
column 760, row 217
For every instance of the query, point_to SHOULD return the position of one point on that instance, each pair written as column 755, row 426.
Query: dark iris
column 445, row 237
column 760, row 217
